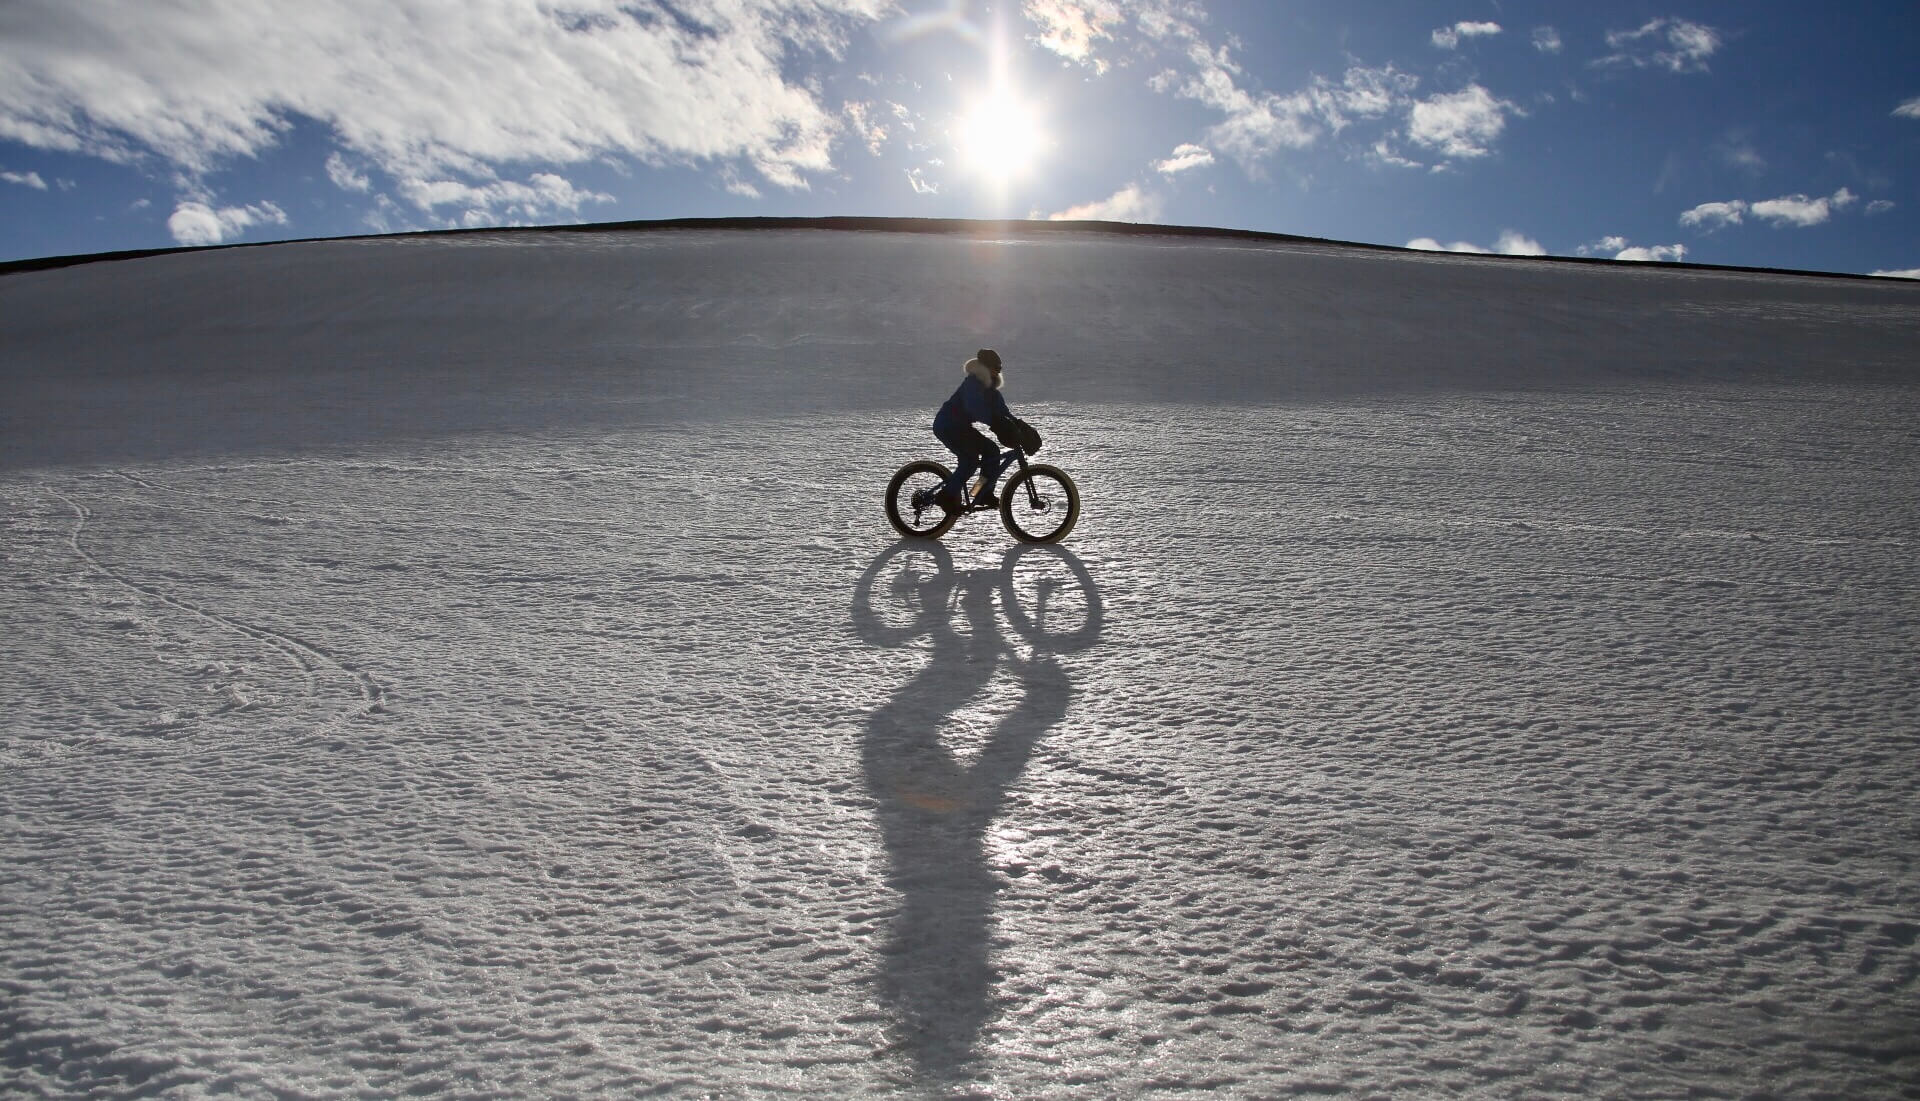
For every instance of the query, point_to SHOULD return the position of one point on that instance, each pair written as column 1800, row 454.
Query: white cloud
column 196, row 223
column 1428, row 244
column 920, row 184
column 1660, row 253
column 1362, row 93
column 1512, row 243
column 1798, row 210
column 1448, row 38
column 1903, row 273
column 1546, row 40
column 1793, row 210
column 1715, row 215
column 1617, row 248
column 1676, row 45
column 1129, row 204
column 422, row 89
column 1787, row 210
column 25, row 179
column 1070, row 28
column 1255, row 126
column 1185, row 157
column 1459, row 124
column 1736, row 151
column 1879, row 206
column 386, row 216
column 1258, row 125
column 1384, row 152
column 344, row 176
column 1909, row 110
column 871, row 132
column 542, row 196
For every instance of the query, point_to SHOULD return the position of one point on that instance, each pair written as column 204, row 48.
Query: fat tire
column 1013, row 499
column 900, row 506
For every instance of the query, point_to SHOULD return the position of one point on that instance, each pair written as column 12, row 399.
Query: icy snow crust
column 480, row 666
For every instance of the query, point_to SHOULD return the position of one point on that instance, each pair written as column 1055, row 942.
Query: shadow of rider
column 933, row 810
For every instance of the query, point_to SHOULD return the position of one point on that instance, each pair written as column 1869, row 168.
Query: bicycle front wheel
column 1040, row 504
column 910, row 508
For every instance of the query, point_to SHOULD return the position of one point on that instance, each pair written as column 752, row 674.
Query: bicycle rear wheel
column 1040, row 504
column 910, row 507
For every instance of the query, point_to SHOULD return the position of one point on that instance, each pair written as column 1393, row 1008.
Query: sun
column 1001, row 136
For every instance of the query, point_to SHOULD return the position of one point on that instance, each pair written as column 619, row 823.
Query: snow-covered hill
column 479, row 665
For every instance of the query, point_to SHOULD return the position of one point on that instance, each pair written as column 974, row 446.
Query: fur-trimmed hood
column 984, row 373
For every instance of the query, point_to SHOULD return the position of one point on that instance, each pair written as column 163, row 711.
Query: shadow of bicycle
column 937, row 978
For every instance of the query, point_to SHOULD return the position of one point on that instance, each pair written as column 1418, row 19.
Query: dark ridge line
column 1017, row 228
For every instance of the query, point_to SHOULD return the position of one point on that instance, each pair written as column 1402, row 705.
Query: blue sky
column 1753, row 133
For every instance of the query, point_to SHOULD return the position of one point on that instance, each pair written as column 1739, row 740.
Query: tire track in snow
column 1555, row 525
column 1535, row 526
column 359, row 516
column 310, row 658
column 1533, row 574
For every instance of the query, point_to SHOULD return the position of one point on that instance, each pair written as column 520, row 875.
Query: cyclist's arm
column 1000, row 409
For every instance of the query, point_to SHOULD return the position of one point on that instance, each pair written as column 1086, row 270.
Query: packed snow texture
column 480, row 666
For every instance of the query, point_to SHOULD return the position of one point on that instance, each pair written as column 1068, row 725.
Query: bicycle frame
column 1006, row 468
column 1044, row 511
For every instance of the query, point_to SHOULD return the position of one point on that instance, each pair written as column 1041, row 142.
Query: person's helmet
column 989, row 357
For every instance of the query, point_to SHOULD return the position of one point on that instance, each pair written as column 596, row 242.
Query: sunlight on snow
column 486, row 670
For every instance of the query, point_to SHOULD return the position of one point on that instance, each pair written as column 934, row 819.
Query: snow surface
column 480, row 666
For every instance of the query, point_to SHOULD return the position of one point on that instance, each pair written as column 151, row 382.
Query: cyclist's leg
column 986, row 460
column 1001, row 461
column 967, row 452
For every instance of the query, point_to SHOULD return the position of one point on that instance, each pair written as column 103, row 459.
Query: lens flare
column 1001, row 136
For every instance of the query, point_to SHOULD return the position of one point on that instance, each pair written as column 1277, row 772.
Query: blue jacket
column 973, row 403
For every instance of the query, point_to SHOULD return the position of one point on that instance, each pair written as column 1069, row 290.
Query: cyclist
column 977, row 401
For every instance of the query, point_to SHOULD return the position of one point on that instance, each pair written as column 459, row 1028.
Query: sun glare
column 1001, row 137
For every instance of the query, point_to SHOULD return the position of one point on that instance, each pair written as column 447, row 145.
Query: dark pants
column 976, row 453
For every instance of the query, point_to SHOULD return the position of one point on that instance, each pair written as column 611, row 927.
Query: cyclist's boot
column 949, row 499
column 983, row 495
